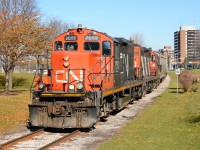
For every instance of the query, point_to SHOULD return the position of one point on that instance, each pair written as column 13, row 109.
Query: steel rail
column 60, row 140
column 9, row 144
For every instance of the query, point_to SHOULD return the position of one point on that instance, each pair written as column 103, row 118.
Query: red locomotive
column 91, row 75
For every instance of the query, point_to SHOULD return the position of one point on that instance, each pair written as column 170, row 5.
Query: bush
column 195, row 87
column 186, row 80
column 17, row 81
column 2, row 81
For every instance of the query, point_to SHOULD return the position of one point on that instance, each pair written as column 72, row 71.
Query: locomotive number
column 62, row 72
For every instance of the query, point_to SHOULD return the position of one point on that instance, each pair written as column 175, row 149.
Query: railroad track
column 13, row 143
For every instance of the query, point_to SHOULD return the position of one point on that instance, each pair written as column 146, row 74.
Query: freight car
column 91, row 75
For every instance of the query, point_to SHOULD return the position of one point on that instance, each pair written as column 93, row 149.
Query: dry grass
column 14, row 107
column 14, row 110
column 189, row 81
column 186, row 80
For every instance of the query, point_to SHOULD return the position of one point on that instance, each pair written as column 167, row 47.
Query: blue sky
column 155, row 20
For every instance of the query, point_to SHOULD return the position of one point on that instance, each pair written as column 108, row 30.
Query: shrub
column 195, row 87
column 196, row 78
column 186, row 79
column 2, row 81
column 17, row 81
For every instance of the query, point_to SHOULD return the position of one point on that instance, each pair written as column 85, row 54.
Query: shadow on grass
column 180, row 92
column 174, row 88
column 194, row 119
column 12, row 93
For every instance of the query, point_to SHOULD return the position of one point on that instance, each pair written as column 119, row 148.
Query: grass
column 28, row 79
column 169, row 123
column 14, row 108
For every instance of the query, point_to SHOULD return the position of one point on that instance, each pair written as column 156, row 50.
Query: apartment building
column 169, row 53
column 187, row 45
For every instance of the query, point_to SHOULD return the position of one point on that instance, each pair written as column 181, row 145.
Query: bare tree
column 21, row 34
column 137, row 38
column 58, row 26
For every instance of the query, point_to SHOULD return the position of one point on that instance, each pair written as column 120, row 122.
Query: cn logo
column 62, row 72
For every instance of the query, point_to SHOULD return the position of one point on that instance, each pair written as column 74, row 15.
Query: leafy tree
column 21, row 34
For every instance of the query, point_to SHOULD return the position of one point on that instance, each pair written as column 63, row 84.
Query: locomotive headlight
column 66, row 58
column 71, row 87
column 80, row 86
column 41, row 86
column 66, row 64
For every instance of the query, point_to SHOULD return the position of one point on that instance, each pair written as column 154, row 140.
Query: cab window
column 106, row 48
column 58, row 46
column 153, row 58
column 136, row 53
column 91, row 46
column 72, row 46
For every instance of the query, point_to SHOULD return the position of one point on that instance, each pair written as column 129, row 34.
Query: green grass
column 169, row 123
column 28, row 78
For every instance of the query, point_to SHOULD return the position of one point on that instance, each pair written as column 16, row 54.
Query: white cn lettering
column 61, row 72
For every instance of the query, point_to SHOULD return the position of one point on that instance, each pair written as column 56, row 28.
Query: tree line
column 24, row 34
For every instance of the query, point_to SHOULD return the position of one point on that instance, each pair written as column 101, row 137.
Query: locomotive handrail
column 90, row 71
column 40, row 72
column 36, row 72
column 33, row 82
column 104, row 67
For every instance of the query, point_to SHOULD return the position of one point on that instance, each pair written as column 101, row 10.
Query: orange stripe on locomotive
column 153, row 64
column 137, row 61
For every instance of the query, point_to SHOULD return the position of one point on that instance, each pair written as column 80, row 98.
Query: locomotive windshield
column 73, row 46
column 91, row 46
column 136, row 53
column 58, row 46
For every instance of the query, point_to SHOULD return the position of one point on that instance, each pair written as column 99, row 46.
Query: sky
column 155, row 20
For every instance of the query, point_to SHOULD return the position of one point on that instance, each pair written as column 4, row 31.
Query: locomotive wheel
column 144, row 90
column 139, row 92
column 104, row 113
column 154, row 85
column 134, row 95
